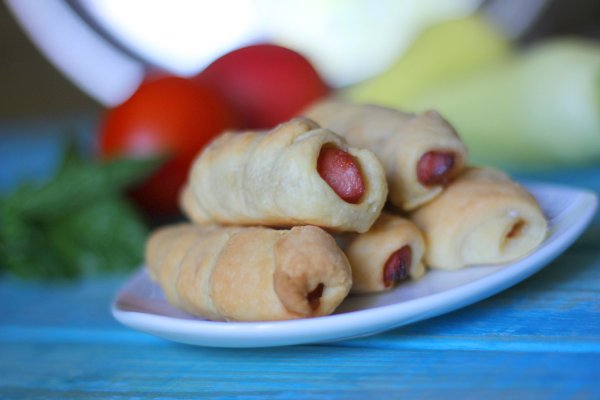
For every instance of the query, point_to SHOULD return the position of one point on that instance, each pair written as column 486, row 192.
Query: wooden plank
column 556, row 310
column 79, row 303
column 87, row 370
column 514, row 321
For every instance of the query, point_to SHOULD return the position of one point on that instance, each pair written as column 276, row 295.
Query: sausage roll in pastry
column 420, row 153
column 390, row 252
column 483, row 217
column 296, row 174
column 249, row 274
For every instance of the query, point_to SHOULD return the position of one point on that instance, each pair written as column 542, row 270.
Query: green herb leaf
column 26, row 249
column 77, row 223
column 108, row 236
column 79, row 184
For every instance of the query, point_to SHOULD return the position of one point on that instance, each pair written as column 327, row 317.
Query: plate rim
column 349, row 325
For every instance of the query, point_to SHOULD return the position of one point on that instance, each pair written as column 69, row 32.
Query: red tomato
column 265, row 83
column 166, row 116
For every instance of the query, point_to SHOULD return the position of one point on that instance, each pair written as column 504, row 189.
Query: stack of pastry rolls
column 467, row 215
column 285, row 223
column 261, row 205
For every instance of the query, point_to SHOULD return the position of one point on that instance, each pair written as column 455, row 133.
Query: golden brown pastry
column 483, row 217
column 249, row 274
column 296, row 174
column 390, row 252
column 420, row 153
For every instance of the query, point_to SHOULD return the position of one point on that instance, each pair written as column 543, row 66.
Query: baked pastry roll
column 249, row 274
column 390, row 252
column 420, row 153
column 483, row 217
column 296, row 174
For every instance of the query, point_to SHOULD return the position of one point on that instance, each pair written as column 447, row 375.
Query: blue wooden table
column 539, row 339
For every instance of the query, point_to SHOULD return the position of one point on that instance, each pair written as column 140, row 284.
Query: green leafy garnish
column 78, row 223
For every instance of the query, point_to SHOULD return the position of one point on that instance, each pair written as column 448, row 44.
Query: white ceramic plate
column 141, row 305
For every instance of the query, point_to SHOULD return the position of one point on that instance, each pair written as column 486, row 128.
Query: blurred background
column 176, row 36
column 137, row 79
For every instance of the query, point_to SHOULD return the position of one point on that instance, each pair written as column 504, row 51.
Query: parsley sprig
column 78, row 223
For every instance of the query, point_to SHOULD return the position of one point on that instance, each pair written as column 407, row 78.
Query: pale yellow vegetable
column 442, row 53
column 539, row 108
